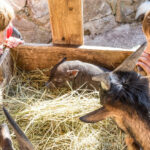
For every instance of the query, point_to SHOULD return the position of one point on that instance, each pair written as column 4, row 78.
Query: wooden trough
column 66, row 20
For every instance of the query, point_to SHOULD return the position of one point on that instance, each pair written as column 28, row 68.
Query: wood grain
column 33, row 56
column 66, row 21
column 6, row 68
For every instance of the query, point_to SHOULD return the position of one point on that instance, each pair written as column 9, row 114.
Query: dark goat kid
column 5, row 138
column 76, row 72
column 125, row 97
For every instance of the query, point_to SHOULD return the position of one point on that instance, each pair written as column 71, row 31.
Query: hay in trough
column 50, row 119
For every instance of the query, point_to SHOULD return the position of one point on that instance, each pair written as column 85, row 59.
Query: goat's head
column 60, row 73
column 120, row 86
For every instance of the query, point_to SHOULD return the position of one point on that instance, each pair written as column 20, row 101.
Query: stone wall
column 32, row 20
column 32, row 17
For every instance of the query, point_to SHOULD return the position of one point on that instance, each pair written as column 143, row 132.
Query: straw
column 50, row 118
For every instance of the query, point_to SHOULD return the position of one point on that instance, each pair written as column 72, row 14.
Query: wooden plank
column 6, row 68
column 66, row 21
column 32, row 56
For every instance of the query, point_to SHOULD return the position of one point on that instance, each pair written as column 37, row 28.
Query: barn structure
column 66, row 20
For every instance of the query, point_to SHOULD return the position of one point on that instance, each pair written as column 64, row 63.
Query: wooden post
column 6, row 68
column 66, row 21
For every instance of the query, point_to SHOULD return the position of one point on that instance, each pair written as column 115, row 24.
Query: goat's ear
column 130, row 62
column 72, row 73
column 23, row 141
column 104, row 80
column 95, row 116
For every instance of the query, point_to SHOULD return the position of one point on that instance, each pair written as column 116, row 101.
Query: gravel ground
column 124, row 36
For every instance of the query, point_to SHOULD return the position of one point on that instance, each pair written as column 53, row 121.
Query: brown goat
column 124, row 95
column 5, row 138
column 77, row 73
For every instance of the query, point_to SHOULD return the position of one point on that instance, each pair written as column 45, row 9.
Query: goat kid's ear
column 95, row 116
column 72, row 73
column 104, row 80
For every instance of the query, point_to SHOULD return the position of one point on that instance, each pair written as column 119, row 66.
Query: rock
column 32, row 32
column 126, row 10
column 37, row 7
column 17, row 4
column 98, row 26
column 101, row 9
column 113, row 4
column 32, row 21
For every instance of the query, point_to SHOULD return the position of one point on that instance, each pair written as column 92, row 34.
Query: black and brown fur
column 124, row 95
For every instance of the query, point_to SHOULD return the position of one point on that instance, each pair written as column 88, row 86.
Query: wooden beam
column 6, row 67
column 32, row 56
column 66, row 21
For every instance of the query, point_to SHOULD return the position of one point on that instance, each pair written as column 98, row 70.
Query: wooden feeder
column 66, row 20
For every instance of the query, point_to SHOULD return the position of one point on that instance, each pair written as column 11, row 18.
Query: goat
column 124, row 95
column 76, row 72
column 5, row 138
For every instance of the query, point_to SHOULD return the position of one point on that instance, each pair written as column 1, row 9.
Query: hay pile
column 50, row 119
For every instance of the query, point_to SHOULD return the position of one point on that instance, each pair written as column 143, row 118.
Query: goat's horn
column 130, row 62
column 23, row 141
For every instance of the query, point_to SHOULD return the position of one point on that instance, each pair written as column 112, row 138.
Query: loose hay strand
column 50, row 119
